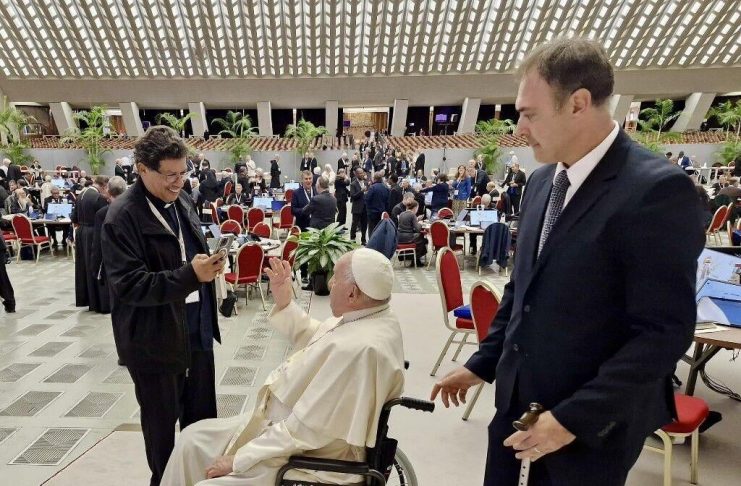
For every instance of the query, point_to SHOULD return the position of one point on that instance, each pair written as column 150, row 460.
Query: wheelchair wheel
column 402, row 474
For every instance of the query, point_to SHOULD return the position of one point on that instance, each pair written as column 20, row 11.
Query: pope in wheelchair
column 324, row 401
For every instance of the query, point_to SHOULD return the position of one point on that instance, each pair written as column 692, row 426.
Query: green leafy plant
column 731, row 150
column 656, row 119
column 655, row 141
column 239, row 127
column 11, row 120
column 728, row 115
column 16, row 151
column 91, row 136
column 488, row 134
column 321, row 248
column 178, row 124
column 304, row 133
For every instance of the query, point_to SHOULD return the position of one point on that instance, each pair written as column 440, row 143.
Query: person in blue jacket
column 461, row 190
column 376, row 201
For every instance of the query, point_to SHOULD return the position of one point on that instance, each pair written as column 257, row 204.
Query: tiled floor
column 61, row 390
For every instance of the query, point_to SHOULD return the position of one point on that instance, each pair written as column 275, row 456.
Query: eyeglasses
column 175, row 177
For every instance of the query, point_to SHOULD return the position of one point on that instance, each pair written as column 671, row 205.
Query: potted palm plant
column 304, row 133
column 90, row 137
column 488, row 134
column 178, row 124
column 320, row 249
column 11, row 121
column 238, row 127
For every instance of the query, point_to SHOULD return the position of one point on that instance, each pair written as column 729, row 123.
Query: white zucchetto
column 373, row 273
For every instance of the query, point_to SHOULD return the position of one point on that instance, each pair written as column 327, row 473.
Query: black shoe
column 9, row 308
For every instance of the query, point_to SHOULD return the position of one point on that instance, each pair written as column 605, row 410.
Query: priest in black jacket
column 87, row 291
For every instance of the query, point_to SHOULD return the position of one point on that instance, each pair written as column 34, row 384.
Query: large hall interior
column 185, row 182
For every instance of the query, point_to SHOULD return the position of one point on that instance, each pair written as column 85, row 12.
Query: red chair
column 484, row 306
column 406, row 249
column 440, row 235
column 254, row 216
column 476, row 201
column 214, row 214
column 716, row 224
column 248, row 271
column 295, row 231
column 231, row 226
column 445, row 213
column 288, row 196
column 236, row 213
column 286, row 219
column 25, row 237
column 262, row 230
column 10, row 240
column 228, row 188
column 451, row 295
column 691, row 413
column 219, row 202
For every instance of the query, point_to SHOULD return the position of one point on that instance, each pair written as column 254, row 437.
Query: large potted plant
column 304, row 133
column 320, row 249
column 488, row 134
column 11, row 121
column 90, row 135
column 178, row 124
column 238, row 127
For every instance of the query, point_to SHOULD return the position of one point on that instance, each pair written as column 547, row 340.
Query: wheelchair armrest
column 330, row 465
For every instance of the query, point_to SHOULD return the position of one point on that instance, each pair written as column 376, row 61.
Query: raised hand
column 279, row 274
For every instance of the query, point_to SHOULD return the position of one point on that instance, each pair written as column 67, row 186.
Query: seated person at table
column 20, row 202
column 323, row 401
column 56, row 198
column 239, row 197
column 258, row 184
column 401, row 207
column 732, row 191
column 410, row 231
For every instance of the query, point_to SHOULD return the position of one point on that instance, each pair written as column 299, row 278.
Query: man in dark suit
column 419, row 163
column 402, row 167
column 376, row 201
column 306, row 164
column 358, row 186
column 56, row 198
column 13, row 172
column 119, row 170
column 343, row 162
column 6, row 288
column 600, row 306
column 515, row 182
column 301, row 198
column 322, row 208
column 395, row 192
column 480, row 181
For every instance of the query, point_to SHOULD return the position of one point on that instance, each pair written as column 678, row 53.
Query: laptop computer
column 720, row 302
column 277, row 205
column 462, row 215
column 715, row 265
column 60, row 210
column 262, row 202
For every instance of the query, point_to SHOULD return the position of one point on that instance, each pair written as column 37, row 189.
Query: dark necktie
column 555, row 206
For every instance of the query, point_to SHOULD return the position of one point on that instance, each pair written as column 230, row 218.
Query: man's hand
column 543, row 437
column 454, row 385
column 279, row 274
column 222, row 466
column 208, row 267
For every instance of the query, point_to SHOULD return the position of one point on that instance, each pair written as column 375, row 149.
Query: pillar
column 132, row 122
column 399, row 121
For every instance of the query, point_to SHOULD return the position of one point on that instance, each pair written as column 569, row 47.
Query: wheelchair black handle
column 412, row 403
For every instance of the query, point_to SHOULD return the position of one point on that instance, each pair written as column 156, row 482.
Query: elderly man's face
column 55, row 193
column 343, row 295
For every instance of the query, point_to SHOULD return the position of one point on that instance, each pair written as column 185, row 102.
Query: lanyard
column 308, row 194
column 161, row 219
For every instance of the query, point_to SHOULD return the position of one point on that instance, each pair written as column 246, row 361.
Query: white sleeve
column 294, row 323
column 282, row 439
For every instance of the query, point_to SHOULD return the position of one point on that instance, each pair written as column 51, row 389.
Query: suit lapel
column 594, row 188
column 536, row 196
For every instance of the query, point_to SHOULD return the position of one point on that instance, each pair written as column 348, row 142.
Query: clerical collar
column 360, row 314
column 158, row 203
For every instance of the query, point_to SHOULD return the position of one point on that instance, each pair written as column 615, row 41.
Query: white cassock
column 323, row 401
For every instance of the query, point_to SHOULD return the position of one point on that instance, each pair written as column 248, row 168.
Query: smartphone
column 224, row 244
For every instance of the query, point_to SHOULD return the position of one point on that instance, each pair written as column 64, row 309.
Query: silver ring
column 537, row 450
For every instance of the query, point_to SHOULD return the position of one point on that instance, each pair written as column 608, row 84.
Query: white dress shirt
column 580, row 170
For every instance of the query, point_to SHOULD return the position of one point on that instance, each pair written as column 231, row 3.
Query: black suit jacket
column 298, row 202
column 593, row 328
column 520, row 179
column 482, row 179
column 357, row 196
column 321, row 210
column 14, row 173
column 118, row 170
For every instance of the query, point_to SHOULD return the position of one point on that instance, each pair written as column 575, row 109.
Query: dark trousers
column 342, row 212
column 373, row 220
column 165, row 398
column 515, row 203
column 53, row 234
column 574, row 464
column 359, row 220
column 6, row 288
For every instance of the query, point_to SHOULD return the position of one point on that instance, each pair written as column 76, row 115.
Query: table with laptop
column 718, row 298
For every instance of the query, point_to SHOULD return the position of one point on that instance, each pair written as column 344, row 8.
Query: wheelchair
column 385, row 464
